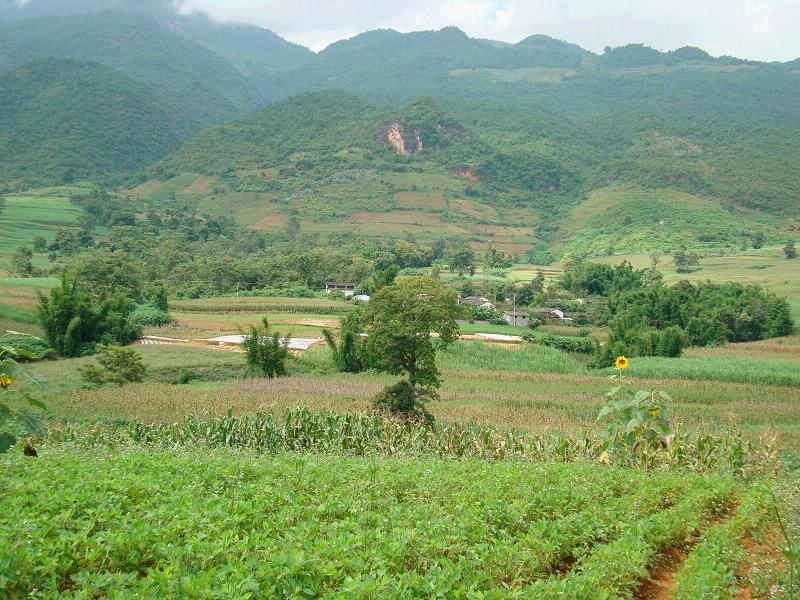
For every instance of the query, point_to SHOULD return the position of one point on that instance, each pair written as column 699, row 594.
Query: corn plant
column 357, row 434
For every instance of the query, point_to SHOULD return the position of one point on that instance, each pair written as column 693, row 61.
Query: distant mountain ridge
column 67, row 120
column 507, row 134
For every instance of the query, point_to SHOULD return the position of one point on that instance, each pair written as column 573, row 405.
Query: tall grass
column 718, row 368
column 474, row 355
column 18, row 313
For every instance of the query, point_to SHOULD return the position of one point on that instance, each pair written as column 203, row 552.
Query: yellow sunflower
column 621, row 362
column 5, row 381
column 655, row 411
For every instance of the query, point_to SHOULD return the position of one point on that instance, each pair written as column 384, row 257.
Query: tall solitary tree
column 460, row 258
column 684, row 261
column 266, row 353
column 22, row 261
column 789, row 250
column 399, row 322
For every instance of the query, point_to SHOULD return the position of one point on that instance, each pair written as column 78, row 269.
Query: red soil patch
column 659, row 587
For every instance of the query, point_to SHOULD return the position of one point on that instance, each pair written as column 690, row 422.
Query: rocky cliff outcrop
column 467, row 173
column 404, row 142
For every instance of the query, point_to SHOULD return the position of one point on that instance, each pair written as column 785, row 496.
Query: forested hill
column 321, row 133
column 255, row 51
column 202, row 85
column 545, row 123
column 68, row 120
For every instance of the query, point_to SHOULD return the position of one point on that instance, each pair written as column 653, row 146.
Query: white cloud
column 756, row 29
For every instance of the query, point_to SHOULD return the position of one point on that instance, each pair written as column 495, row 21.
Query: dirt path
column 659, row 587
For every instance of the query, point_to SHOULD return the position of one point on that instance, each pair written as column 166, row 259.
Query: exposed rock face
column 395, row 136
column 466, row 173
column 419, row 127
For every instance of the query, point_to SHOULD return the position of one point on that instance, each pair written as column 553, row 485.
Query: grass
column 636, row 221
column 150, row 524
column 526, row 358
column 17, row 314
column 526, row 387
column 717, row 368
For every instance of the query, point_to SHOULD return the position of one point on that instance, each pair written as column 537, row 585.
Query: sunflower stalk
column 12, row 372
column 636, row 420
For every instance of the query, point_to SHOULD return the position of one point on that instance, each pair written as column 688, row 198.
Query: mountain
column 255, row 51
column 62, row 120
column 394, row 68
column 435, row 133
column 192, row 79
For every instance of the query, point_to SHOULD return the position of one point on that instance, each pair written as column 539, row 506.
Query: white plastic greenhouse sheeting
column 291, row 343
column 499, row 337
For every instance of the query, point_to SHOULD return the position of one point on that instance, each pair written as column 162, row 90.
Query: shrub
column 73, row 321
column 402, row 400
column 147, row 314
column 115, row 364
column 32, row 348
column 641, row 341
column 266, row 354
column 349, row 354
column 562, row 342
column 485, row 313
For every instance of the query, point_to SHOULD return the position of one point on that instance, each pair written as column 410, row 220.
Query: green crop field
column 154, row 524
column 262, row 304
column 27, row 216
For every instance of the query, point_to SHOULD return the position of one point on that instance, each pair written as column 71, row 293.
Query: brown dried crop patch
column 313, row 322
column 201, row 185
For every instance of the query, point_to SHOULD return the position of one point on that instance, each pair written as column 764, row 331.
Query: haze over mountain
column 526, row 133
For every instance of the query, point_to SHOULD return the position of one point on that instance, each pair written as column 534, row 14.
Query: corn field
column 357, row 434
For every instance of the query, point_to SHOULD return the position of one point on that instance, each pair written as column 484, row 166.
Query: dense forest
column 69, row 120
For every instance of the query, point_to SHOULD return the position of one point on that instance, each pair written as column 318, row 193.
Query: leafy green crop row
column 710, row 570
column 141, row 523
column 262, row 304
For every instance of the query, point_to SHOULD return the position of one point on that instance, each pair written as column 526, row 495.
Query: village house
column 519, row 319
column 348, row 289
column 475, row 301
column 553, row 314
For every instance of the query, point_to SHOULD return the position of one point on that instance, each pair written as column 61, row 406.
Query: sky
column 754, row 29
